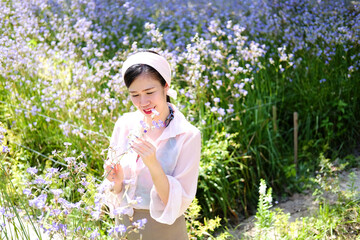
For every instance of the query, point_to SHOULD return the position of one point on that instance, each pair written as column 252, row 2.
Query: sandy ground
column 298, row 205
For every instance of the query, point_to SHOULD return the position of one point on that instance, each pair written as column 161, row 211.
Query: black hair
column 136, row 70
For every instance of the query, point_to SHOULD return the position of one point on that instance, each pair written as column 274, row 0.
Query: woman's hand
column 146, row 151
column 114, row 173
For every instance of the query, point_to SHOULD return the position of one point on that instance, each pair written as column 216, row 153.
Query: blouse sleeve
column 117, row 146
column 183, row 182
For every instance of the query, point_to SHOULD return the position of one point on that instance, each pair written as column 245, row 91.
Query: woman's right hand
column 115, row 173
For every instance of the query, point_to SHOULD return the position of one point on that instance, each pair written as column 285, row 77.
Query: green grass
column 335, row 217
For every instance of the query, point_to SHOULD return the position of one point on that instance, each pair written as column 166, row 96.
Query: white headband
column 156, row 61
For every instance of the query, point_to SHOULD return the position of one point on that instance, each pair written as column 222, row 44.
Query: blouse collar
column 177, row 126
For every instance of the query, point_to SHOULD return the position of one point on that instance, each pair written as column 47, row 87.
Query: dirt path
column 299, row 205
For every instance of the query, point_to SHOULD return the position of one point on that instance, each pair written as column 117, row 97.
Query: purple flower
column 32, row 170
column 51, row 172
column 96, row 215
column 216, row 99
column 221, row 111
column 140, row 223
column 55, row 212
column 63, row 201
column 69, row 159
column 76, row 205
column 2, row 211
column 230, row 110
column 40, row 181
column 84, row 182
column 56, row 227
column 104, row 186
column 120, row 229
column 9, row 215
column 241, row 85
column 5, row 149
column 111, row 231
column 81, row 190
column 27, row 192
column 56, row 192
column 38, row 202
column 121, row 211
column 94, row 234
column 64, row 175
column 143, row 124
column 243, row 92
column 155, row 124
column 138, row 200
column 161, row 123
column 82, row 165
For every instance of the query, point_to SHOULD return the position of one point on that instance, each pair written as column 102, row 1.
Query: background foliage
column 232, row 63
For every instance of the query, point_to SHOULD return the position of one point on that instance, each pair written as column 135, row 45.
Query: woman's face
column 146, row 93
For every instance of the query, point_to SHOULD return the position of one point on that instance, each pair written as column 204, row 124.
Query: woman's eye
column 134, row 95
column 149, row 93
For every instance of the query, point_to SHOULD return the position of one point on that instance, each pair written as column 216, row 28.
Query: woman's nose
column 144, row 100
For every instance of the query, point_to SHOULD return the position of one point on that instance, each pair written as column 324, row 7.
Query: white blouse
column 178, row 151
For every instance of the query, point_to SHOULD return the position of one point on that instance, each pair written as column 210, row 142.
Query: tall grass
column 12, row 208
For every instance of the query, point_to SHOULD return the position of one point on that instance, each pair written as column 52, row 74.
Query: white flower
column 155, row 113
column 268, row 199
column 262, row 189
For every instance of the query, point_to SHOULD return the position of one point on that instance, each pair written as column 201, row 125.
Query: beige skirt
column 154, row 230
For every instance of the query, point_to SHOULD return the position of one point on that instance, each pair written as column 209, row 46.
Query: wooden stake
column 296, row 126
column 274, row 118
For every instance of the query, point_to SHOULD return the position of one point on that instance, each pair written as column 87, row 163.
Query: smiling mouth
column 147, row 111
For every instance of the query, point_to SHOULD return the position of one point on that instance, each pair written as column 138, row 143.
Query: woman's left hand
column 146, row 151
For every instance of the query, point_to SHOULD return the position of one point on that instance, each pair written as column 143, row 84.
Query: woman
column 161, row 165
